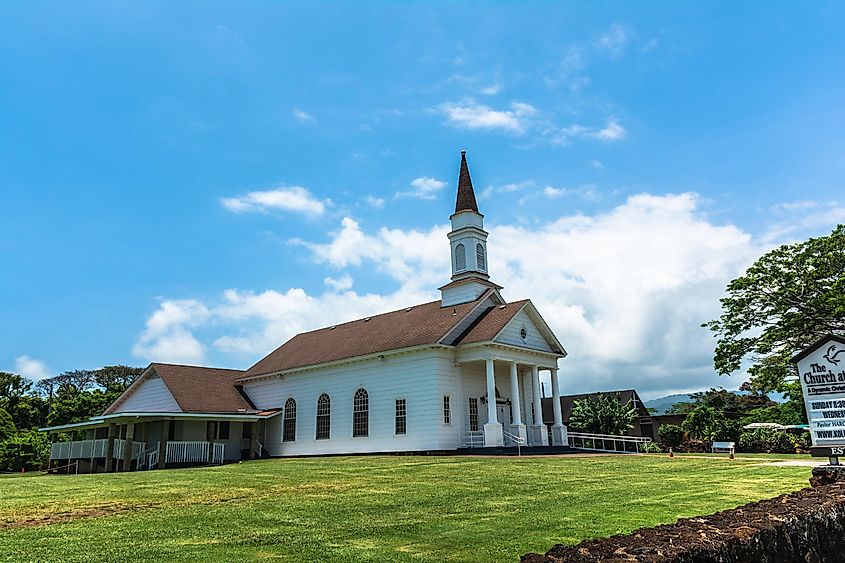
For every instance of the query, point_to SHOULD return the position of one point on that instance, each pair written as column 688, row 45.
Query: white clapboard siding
column 150, row 396
column 534, row 339
column 463, row 293
column 420, row 377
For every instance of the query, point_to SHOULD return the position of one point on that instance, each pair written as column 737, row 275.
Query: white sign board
column 821, row 369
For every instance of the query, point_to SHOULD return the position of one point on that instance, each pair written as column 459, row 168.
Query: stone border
column 807, row 526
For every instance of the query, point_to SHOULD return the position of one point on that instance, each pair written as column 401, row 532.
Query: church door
column 503, row 416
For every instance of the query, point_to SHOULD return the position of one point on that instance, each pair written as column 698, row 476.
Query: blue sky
column 197, row 182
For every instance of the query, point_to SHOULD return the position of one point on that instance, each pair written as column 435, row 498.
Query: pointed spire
column 466, row 195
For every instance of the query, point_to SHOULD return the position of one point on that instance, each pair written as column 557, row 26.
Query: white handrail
column 594, row 439
column 519, row 440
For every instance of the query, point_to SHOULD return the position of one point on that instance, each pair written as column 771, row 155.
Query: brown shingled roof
column 414, row 326
column 466, row 195
column 200, row 389
column 492, row 322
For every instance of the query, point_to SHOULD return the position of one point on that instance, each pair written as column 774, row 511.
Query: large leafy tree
column 785, row 301
column 605, row 414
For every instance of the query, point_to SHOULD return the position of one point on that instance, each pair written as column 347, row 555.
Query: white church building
column 460, row 372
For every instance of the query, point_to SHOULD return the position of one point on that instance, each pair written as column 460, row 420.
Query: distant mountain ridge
column 662, row 404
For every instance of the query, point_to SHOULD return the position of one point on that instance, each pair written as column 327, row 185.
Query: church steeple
column 468, row 242
column 466, row 195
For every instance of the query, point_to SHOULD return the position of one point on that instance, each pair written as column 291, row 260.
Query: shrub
column 29, row 450
column 766, row 440
column 671, row 434
column 691, row 447
column 650, row 448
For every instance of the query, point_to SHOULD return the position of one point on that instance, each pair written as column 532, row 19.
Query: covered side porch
column 503, row 397
column 138, row 441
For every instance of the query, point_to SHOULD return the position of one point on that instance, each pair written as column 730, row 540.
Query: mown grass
column 368, row 508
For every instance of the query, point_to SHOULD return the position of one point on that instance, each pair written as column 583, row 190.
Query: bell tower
column 468, row 243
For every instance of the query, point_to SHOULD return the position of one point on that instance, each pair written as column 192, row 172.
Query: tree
column 7, row 425
column 671, row 434
column 116, row 378
column 12, row 388
column 28, row 450
column 707, row 423
column 604, row 414
column 789, row 298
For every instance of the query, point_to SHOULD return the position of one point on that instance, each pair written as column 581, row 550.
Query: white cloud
column 551, row 191
column 625, row 290
column 596, row 163
column 340, row 284
column 491, row 90
column 293, row 198
column 424, row 188
column 612, row 132
column 797, row 218
column 613, row 40
column 472, row 115
column 31, row 368
column 302, row 116
column 375, row 202
column 168, row 336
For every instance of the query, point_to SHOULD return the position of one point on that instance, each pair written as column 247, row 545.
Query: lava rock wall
column 807, row 526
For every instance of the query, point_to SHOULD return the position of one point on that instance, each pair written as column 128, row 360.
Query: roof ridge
column 192, row 366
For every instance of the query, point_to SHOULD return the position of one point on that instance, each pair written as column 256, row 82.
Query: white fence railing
column 219, row 453
column 177, row 452
column 187, row 452
column 474, row 439
column 606, row 442
column 86, row 449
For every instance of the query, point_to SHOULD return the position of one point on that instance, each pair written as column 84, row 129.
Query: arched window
column 479, row 257
column 460, row 258
column 324, row 417
column 289, row 425
column 361, row 414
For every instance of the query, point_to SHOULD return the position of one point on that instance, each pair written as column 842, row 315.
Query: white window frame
column 396, row 415
column 447, row 410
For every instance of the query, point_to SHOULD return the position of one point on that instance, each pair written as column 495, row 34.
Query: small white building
column 460, row 372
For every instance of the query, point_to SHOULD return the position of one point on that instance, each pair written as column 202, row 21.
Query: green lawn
column 368, row 508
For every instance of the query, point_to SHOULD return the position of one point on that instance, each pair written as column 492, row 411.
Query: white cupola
column 468, row 243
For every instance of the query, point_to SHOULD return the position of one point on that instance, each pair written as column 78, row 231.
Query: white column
column 559, row 437
column 517, row 428
column 538, row 430
column 493, row 436
column 515, row 401
column 491, row 392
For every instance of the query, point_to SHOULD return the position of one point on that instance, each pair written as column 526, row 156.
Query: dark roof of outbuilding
column 466, row 195
column 568, row 401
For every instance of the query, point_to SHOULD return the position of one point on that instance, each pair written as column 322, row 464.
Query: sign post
column 821, row 369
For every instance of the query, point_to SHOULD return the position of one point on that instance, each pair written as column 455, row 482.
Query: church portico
column 502, row 391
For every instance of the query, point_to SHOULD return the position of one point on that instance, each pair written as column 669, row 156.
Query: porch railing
column 85, row 449
column 606, row 442
column 474, row 439
column 187, row 452
column 219, row 453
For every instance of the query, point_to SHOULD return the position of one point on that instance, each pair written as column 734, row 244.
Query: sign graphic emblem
column 831, row 356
